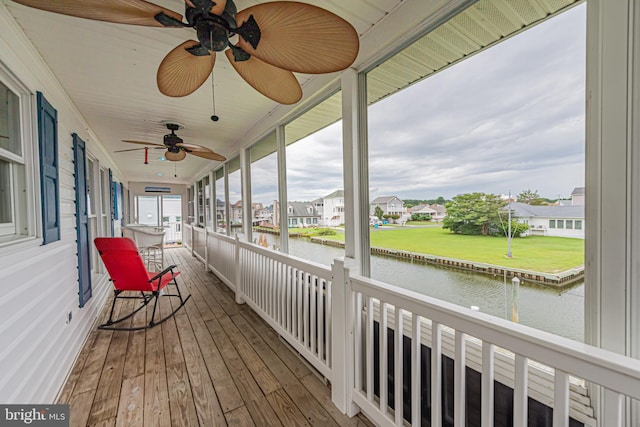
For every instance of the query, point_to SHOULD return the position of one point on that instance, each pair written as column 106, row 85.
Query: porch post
column 612, row 255
column 282, row 190
column 245, row 173
column 227, row 204
column 356, row 170
column 342, row 336
column 238, row 272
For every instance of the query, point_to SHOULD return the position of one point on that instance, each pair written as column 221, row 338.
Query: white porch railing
column 362, row 335
column 173, row 232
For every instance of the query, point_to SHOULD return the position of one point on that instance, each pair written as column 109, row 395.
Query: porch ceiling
column 109, row 72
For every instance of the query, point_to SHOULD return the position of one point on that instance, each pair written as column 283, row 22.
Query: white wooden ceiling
column 109, row 71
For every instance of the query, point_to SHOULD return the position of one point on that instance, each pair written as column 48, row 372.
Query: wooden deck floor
column 213, row 363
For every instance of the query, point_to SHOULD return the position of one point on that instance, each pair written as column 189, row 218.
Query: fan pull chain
column 175, row 169
column 213, row 100
column 213, row 90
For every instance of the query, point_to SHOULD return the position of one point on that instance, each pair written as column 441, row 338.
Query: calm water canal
column 541, row 307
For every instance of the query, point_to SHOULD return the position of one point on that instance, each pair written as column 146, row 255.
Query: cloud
column 509, row 118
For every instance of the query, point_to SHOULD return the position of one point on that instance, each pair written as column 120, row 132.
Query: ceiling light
column 162, row 158
column 159, row 174
column 175, row 157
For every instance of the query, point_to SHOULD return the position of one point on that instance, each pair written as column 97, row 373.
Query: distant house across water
column 390, row 205
column 560, row 221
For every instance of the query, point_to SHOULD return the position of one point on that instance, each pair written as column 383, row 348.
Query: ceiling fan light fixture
column 175, row 157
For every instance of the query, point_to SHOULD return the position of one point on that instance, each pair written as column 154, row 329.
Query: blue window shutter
column 49, row 186
column 112, row 200
column 82, row 220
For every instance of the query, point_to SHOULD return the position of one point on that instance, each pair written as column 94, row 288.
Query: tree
column 530, row 198
column 379, row 212
column 440, row 200
column 474, row 213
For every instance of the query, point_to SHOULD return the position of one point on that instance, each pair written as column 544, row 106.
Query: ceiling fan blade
column 192, row 147
column 200, row 151
column 209, row 155
column 300, row 37
column 215, row 6
column 133, row 12
column 273, row 82
column 142, row 142
column 130, row 149
column 182, row 72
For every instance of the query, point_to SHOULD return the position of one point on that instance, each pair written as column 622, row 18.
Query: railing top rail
column 610, row 370
column 223, row 237
column 303, row 264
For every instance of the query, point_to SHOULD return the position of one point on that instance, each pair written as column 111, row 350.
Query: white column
column 282, row 190
column 227, row 204
column 342, row 337
column 612, row 261
column 238, row 273
column 245, row 174
column 355, row 164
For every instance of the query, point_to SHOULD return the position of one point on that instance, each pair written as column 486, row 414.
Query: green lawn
column 536, row 253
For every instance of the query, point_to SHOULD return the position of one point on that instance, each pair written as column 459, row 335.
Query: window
column 264, row 187
column 560, row 223
column 578, row 224
column 104, row 202
column 200, row 200
column 234, row 198
column 207, row 202
column 16, row 212
column 221, row 213
column 568, row 224
column 552, row 223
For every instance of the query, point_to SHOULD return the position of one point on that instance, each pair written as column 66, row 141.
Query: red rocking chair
column 128, row 273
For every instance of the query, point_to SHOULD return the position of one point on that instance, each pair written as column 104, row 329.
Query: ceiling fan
column 274, row 40
column 176, row 149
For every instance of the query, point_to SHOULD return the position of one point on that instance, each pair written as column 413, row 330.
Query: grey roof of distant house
column 300, row 209
column 422, row 208
column 578, row 191
column 524, row 210
column 337, row 193
column 386, row 199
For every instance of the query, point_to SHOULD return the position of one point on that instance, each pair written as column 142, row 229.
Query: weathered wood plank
column 269, row 358
column 323, row 395
column 262, row 413
column 156, row 394
column 183, row 408
column 131, row 405
column 204, row 395
column 78, row 367
column 80, row 408
column 105, row 402
column 111, row 422
column 313, row 410
column 284, row 352
column 265, row 379
column 94, row 363
column 239, row 417
column 224, row 386
column 289, row 414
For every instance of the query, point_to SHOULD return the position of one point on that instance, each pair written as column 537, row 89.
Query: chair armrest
column 163, row 272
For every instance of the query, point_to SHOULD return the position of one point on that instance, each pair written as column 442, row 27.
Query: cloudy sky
column 508, row 119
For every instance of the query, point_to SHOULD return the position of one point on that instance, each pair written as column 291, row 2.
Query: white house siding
column 39, row 284
column 333, row 211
